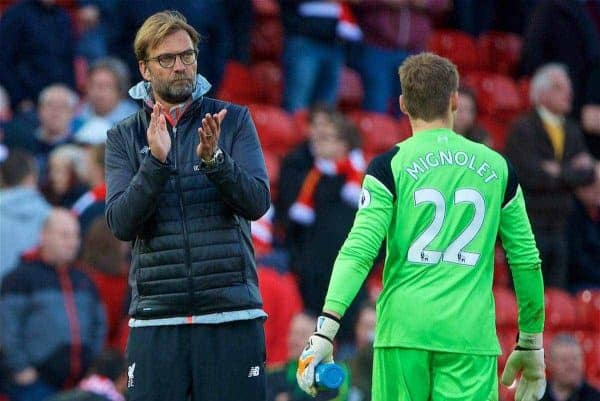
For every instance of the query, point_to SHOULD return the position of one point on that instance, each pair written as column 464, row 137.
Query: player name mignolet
column 440, row 158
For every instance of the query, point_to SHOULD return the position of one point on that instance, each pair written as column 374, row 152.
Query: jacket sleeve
column 14, row 306
column 242, row 179
column 131, row 195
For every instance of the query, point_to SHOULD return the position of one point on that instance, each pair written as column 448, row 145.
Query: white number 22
column 454, row 253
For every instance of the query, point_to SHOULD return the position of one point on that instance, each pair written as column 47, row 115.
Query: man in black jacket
column 183, row 182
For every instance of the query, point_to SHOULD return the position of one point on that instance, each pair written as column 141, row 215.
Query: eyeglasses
column 167, row 60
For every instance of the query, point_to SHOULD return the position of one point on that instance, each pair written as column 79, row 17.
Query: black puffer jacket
column 192, row 251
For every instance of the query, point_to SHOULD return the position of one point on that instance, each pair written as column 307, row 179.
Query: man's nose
column 178, row 66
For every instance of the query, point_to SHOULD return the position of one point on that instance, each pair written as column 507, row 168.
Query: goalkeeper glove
column 318, row 349
column 527, row 358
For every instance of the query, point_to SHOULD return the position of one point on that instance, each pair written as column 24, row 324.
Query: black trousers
column 197, row 362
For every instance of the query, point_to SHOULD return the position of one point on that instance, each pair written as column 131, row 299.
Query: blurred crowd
column 320, row 79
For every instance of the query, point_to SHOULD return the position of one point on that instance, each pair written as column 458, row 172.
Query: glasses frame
column 175, row 55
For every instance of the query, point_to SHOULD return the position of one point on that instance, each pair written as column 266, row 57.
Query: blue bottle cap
column 329, row 376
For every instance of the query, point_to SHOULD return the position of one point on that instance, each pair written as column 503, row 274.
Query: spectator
column 53, row 323
column 312, row 52
column 466, row 114
column 37, row 50
column 186, row 203
column 56, row 107
column 548, row 153
column 392, row 30
column 566, row 367
column 208, row 17
column 317, row 202
column 66, row 175
column 106, row 381
column 94, row 21
column 107, row 84
column 23, row 209
column 590, row 114
column 584, row 237
column 91, row 204
column 282, row 380
column 561, row 31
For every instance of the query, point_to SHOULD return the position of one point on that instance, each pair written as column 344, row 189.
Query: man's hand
column 159, row 140
column 209, row 135
column 26, row 376
column 527, row 359
column 318, row 349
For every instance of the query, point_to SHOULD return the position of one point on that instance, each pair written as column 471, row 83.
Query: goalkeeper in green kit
column 439, row 201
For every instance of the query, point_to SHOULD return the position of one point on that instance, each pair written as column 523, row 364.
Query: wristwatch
column 216, row 159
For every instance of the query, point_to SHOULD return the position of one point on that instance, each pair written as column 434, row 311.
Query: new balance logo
column 144, row 150
column 130, row 370
column 254, row 371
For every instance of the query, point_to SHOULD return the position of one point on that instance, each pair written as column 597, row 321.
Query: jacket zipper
column 188, row 261
column 74, row 328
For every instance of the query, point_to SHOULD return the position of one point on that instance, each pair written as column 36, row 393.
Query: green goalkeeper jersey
column 439, row 201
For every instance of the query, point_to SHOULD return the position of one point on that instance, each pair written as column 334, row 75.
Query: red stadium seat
column 501, row 271
column 560, row 310
column 267, row 77
column 500, row 51
column 273, row 164
column 266, row 41
column 276, row 128
column 301, row 120
column 282, row 301
column 590, row 344
column 351, row 90
column 497, row 95
column 496, row 129
column 458, row 46
column 265, row 8
column 587, row 303
column 523, row 87
column 506, row 308
column 232, row 90
column 379, row 132
column 507, row 337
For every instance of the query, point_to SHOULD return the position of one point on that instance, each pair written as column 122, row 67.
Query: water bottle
column 329, row 376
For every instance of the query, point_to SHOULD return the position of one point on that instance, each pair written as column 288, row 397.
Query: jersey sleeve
column 523, row 257
column 370, row 226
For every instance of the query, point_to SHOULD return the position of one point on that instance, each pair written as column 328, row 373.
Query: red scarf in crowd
column 352, row 167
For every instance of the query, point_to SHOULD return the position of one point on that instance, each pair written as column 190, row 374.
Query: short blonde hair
column 427, row 82
column 157, row 27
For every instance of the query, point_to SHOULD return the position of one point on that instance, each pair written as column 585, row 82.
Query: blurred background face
column 566, row 364
column 325, row 138
column 60, row 238
column 559, row 96
column 465, row 115
column 365, row 328
column 55, row 112
column 60, row 174
column 301, row 328
column 103, row 91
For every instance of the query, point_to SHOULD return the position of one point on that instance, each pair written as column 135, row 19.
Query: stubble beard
column 176, row 91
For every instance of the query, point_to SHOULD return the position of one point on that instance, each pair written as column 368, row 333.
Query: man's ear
column 144, row 70
column 454, row 101
column 402, row 105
